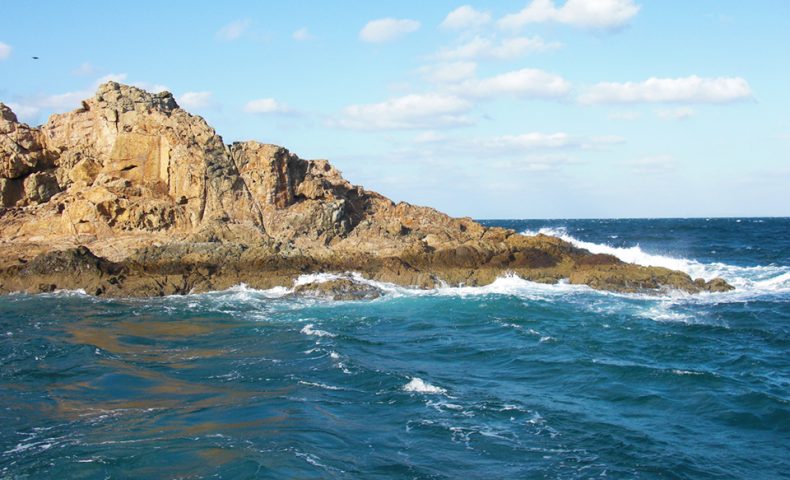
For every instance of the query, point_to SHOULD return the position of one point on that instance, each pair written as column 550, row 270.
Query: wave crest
column 767, row 279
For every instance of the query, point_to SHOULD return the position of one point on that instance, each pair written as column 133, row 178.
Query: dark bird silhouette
column 35, row 58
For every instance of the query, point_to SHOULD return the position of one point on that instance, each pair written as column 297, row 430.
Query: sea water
column 511, row 380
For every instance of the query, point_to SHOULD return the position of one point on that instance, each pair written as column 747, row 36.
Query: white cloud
column 465, row 17
column 604, row 140
column 526, row 82
column 303, row 34
column 431, row 110
column 84, row 70
column 386, row 29
column 195, row 100
column 596, row 14
column 528, row 141
column 149, row 87
column 25, row 112
column 429, row 136
column 691, row 89
column 266, row 105
column 532, row 163
column 680, row 113
column 486, row 48
column 234, row 30
column 625, row 115
column 652, row 164
column 5, row 50
column 451, row 72
column 110, row 77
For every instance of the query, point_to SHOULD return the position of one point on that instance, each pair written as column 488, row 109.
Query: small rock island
column 130, row 195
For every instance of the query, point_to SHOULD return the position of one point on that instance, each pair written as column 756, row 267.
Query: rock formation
column 131, row 195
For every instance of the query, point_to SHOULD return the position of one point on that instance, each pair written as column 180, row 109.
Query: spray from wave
column 767, row 279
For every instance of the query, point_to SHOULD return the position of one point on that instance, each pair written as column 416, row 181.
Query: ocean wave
column 418, row 385
column 748, row 281
column 319, row 385
column 309, row 330
column 760, row 279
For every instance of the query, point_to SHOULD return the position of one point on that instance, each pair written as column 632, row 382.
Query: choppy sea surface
column 511, row 380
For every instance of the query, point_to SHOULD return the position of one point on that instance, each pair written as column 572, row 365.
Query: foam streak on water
column 510, row 380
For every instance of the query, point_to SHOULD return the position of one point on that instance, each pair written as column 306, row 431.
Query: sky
column 496, row 109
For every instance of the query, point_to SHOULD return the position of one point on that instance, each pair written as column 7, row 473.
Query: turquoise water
column 512, row 380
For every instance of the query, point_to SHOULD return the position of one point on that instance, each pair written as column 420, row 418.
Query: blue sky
column 511, row 109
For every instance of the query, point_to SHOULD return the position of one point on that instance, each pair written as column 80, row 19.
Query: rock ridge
column 132, row 195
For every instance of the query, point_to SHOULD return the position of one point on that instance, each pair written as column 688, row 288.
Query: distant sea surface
column 510, row 380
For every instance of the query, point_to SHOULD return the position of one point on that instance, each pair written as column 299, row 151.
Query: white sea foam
column 760, row 279
column 417, row 385
column 316, row 278
column 749, row 281
column 663, row 313
column 319, row 385
column 309, row 330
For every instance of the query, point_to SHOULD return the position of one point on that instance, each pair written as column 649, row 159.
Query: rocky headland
column 130, row 195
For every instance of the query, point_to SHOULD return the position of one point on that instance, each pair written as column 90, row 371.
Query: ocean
column 510, row 380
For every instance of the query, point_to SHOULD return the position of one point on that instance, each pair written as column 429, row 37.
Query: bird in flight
column 35, row 58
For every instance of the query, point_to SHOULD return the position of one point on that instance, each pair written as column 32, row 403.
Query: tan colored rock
column 84, row 171
column 338, row 289
column 21, row 147
column 163, row 207
column 40, row 187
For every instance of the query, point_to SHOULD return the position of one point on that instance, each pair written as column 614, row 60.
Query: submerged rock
column 338, row 289
column 152, row 197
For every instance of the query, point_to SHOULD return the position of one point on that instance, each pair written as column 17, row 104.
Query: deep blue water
column 512, row 380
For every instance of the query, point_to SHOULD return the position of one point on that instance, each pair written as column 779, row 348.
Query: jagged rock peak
column 6, row 114
column 133, row 179
column 126, row 98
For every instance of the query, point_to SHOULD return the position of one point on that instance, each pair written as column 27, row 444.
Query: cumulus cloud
column 5, row 51
column 303, row 34
column 196, row 99
column 465, row 17
column 24, row 111
column 680, row 113
column 526, row 82
column 691, row 89
column 595, row 14
column 387, row 29
column 425, row 111
column 234, row 30
column 486, row 48
column 265, row 106
column 450, row 72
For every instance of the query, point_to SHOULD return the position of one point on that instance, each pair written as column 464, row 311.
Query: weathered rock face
column 131, row 195
column 25, row 166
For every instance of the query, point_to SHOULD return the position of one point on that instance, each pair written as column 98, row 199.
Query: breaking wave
column 755, row 279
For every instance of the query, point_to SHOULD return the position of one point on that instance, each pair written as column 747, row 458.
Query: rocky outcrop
column 132, row 195
column 338, row 289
